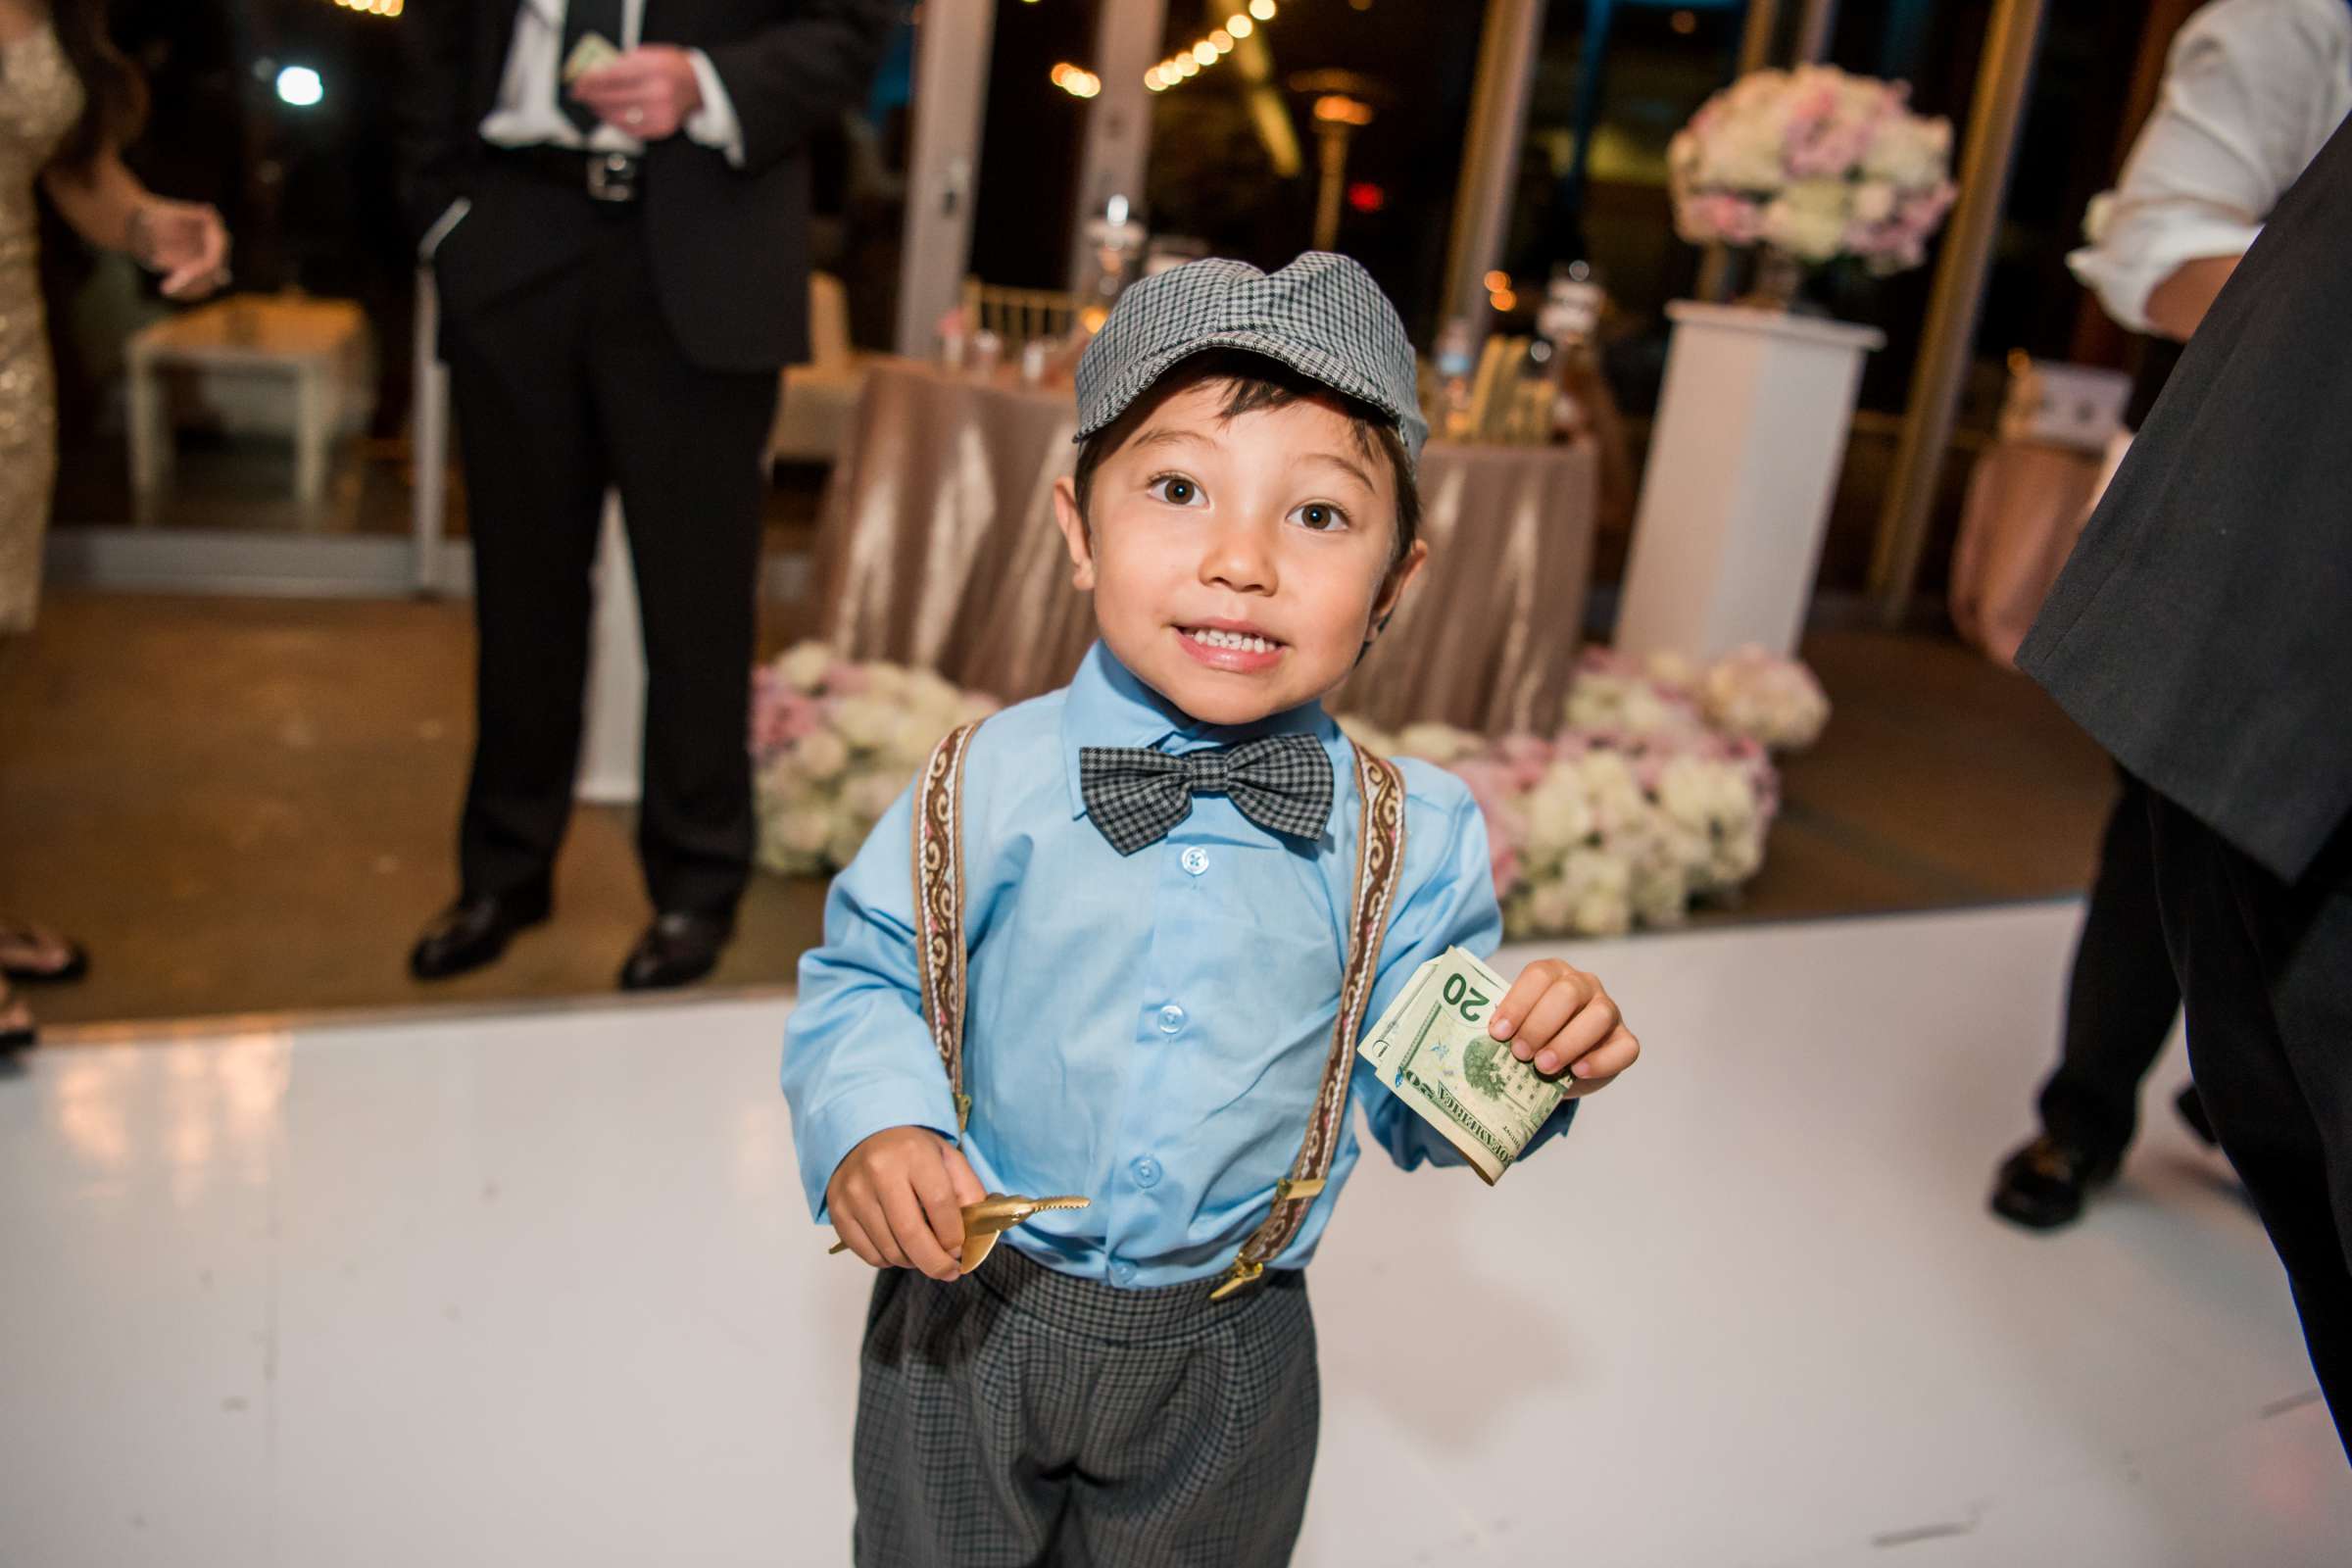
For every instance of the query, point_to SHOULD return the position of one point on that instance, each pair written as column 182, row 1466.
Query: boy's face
column 1239, row 566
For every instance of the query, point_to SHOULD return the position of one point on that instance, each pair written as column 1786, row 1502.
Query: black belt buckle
column 613, row 176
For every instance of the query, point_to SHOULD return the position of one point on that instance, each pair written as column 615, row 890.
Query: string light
column 372, row 8
column 1187, row 61
column 1077, row 83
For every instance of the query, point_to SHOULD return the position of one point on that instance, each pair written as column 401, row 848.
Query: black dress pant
column 2121, row 996
column 2266, row 971
column 563, row 387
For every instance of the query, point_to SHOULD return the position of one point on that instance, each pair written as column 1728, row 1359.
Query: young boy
column 1183, row 895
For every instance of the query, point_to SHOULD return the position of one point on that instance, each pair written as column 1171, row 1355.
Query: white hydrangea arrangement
column 833, row 743
column 1658, row 793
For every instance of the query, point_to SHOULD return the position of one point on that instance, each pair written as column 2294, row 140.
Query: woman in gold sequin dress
column 68, row 105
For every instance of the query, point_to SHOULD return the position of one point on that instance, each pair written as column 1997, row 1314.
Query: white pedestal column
column 1743, row 461
column 612, row 746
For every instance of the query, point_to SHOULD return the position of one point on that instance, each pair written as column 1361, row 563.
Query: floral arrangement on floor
column 1656, row 792
column 833, row 743
column 1815, row 163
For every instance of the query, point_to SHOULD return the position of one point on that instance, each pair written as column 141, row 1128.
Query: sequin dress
column 41, row 99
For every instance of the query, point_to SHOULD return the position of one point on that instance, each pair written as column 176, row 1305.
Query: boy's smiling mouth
column 1231, row 645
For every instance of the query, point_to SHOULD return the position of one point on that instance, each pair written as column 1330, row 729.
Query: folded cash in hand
column 593, row 52
column 1431, row 1049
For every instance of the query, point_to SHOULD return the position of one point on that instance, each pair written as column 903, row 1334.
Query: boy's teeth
column 1233, row 639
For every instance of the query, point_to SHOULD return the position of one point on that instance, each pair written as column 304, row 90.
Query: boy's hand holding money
column 1555, row 1015
column 897, row 1201
column 649, row 92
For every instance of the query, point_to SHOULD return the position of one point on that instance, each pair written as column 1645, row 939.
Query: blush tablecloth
column 937, row 549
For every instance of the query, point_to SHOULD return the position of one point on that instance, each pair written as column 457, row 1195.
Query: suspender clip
column 1242, row 1275
column 1297, row 1189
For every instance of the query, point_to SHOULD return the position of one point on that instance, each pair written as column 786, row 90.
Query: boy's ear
column 1073, row 534
column 1392, row 588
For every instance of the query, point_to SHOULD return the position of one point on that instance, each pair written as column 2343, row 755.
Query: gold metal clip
column 1291, row 1189
column 963, row 1113
column 1242, row 1274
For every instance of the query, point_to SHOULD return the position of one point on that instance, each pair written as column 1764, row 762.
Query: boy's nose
column 1241, row 559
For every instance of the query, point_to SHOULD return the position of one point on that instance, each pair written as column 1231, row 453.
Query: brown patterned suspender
column 939, row 949
column 941, row 953
column 1379, row 856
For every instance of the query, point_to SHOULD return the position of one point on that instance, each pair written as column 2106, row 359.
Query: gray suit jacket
column 2203, row 630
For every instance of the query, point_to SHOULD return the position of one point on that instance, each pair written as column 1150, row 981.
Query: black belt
column 613, row 178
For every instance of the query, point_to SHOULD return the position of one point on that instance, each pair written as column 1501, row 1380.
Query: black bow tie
column 1282, row 783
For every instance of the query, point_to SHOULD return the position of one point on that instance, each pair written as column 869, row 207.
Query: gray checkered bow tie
column 1282, row 783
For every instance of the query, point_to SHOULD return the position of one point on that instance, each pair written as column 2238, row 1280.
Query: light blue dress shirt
column 1148, row 1030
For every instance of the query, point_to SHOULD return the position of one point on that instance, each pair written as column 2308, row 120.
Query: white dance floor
column 540, row 1290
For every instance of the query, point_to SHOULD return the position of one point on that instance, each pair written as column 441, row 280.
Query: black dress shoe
column 2043, row 1186
column 73, row 966
column 2192, row 1106
column 678, row 949
column 473, row 932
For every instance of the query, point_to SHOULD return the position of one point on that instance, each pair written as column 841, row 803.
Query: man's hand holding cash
column 1488, row 1062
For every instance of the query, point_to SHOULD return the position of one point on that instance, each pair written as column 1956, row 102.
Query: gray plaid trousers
column 1022, row 1417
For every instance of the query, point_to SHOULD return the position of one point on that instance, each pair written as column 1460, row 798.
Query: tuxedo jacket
column 2202, row 629
column 728, row 246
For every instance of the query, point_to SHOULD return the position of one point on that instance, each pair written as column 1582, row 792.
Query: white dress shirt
column 2252, row 90
column 529, row 111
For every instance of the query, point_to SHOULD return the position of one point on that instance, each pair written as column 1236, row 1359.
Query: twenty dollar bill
column 1431, row 1049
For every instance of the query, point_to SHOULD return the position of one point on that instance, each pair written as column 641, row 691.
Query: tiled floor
column 539, row 1289
column 249, row 805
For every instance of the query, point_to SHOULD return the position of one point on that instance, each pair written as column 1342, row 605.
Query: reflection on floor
column 539, row 1289
column 249, row 805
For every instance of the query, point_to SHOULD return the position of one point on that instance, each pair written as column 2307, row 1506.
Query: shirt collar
column 1109, row 704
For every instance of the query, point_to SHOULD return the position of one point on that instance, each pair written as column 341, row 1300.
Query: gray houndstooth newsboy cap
column 1322, row 316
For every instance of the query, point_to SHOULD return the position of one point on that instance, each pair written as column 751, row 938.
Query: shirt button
column 1122, row 1272
column 1196, row 860
column 1147, row 1171
column 1171, row 1019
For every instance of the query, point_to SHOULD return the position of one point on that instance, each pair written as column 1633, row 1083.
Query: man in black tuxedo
column 2202, row 632
column 621, row 260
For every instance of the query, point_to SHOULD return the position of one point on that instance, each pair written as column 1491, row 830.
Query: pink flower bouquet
column 1817, row 165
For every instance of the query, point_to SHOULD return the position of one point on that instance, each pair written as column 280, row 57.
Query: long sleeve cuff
column 715, row 125
column 824, row 1138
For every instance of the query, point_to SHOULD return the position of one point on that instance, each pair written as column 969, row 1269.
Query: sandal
column 34, row 957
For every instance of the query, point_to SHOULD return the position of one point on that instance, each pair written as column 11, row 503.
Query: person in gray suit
column 2202, row 633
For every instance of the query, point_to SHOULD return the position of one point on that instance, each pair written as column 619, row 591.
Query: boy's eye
column 1321, row 517
column 1174, row 489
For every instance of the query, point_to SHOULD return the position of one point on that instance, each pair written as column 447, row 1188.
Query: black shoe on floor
column 678, row 949
column 74, row 965
column 2192, row 1106
column 2043, row 1186
column 473, row 932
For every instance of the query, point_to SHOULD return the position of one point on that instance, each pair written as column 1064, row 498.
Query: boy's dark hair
column 1256, row 383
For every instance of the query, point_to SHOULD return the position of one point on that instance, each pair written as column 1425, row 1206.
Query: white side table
column 318, row 345
column 1744, row 462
